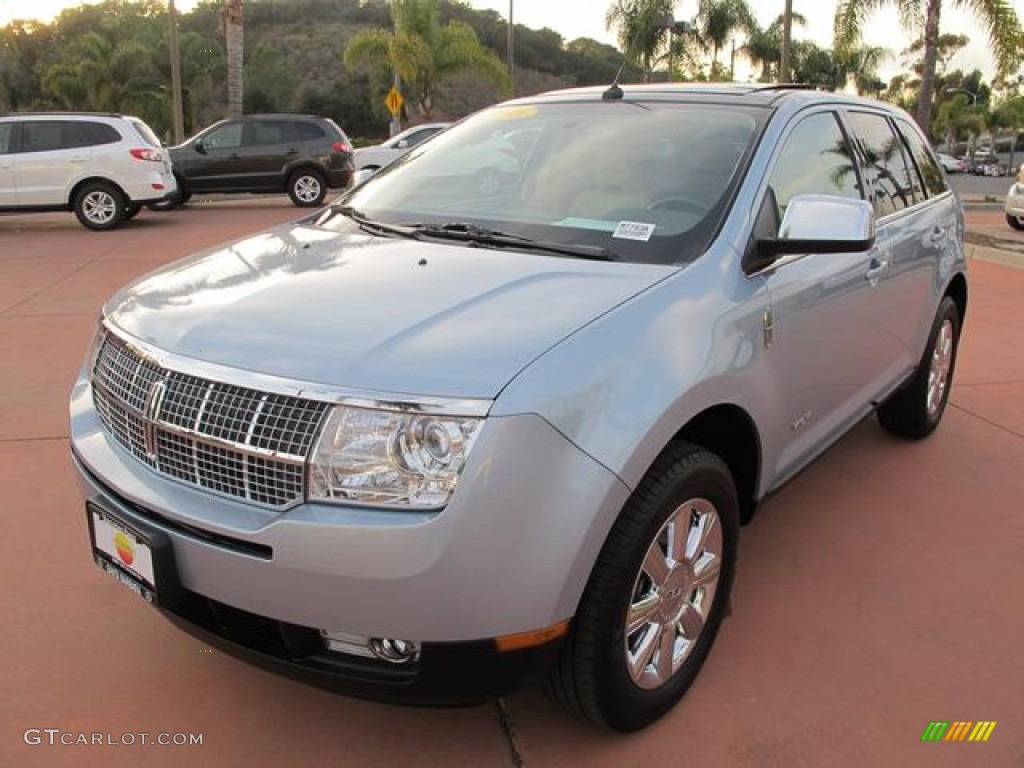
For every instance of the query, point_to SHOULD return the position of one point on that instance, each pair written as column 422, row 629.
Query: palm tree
column 231, row 20
column 423, row 53
column 642, row 29
column 997, row 16
column 719, row 20
column 764, row 47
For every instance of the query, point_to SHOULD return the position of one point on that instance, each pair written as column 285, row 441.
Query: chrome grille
column 229, row 439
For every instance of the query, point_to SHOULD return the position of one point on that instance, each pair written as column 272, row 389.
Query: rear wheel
column 1015, row 221
column 307, row 188
column 915, row 410
column 656, row 596
column 99, row 205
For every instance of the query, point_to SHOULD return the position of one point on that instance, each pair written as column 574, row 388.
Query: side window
column 309, row 131
column 816, row 159
column 95, row 134
column 48, row 135
column 934, row 181
column 419, row 136
column 262, row 133
column 6, row 137
column 891, row 180
column 226, row 137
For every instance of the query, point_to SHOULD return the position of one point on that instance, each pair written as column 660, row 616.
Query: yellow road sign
column 393, row 101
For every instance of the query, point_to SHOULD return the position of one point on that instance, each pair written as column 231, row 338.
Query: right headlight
column 390, row 457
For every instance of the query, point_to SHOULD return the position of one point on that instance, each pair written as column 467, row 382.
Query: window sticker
column 634, row 230
column 597, row 224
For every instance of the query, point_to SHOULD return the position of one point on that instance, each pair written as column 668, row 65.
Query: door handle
column 876, row 269
column 291, row 153
column 234, row 156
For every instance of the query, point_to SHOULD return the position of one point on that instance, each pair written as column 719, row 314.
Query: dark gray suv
column 302, row 155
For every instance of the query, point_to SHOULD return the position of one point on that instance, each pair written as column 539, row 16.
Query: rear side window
column 266, row 132
column 934, row 181
column 95, row 134
column 6, row 135
column 50, row 135
column 144, row 131
column 889, row 177
column 309, row 131
column 815, row 160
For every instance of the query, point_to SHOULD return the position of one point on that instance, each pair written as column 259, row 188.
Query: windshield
column 644, row 182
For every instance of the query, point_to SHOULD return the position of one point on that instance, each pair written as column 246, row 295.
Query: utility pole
column 510, row 48
column 178, row 116
column 787, row 42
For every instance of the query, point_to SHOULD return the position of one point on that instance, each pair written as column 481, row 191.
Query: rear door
column 826, row 341
column 50, row 154
column 268, row 147
column 8, row 191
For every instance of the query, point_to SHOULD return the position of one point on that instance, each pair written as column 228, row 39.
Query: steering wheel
column 679, row 203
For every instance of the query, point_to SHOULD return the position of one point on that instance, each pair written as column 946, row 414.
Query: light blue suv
column 447, row 432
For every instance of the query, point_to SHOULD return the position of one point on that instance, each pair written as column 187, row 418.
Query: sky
column 585, row 18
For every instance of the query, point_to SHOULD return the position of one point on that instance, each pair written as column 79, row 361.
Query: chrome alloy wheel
column 673, row 593
column 307, row 189
column 938, row 373
column 99, row 207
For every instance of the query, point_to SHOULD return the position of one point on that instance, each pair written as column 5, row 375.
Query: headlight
column 390, row 457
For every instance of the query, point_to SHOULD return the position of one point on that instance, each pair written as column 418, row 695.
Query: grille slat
column 229, row 439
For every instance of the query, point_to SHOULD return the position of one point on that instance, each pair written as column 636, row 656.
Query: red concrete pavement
column 880, row 590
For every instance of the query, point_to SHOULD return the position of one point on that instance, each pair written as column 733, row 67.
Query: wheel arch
column 77, row 187
column 957, row 290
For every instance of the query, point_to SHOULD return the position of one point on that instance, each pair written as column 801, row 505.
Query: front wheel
column 99, row 206
column 307, row 188
column 1015, row 222
column 656, row 597
column 914, row 411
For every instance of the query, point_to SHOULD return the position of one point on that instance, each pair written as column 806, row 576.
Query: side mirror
column 200, row 147
column 819, row 224
column 363, row 175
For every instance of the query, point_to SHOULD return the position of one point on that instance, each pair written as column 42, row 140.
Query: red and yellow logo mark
column 125, row 548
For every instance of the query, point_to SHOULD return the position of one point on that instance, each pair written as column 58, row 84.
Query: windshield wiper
column 375, row 227
column 471, row 233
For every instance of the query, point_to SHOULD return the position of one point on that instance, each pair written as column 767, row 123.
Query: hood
column 372, row 313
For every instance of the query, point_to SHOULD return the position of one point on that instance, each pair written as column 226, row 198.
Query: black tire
column 307, row 188
column 131, row 210
column 99, row 205
column 592, row 677
column 179, row 197
column 915, row 410
column 1015, row 222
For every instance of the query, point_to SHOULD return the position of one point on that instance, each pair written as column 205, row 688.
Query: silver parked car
column 379, row 155
column 444, row 434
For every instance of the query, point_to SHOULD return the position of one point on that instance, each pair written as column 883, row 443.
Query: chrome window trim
column 354, row 398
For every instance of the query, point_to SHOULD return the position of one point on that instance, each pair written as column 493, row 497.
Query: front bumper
column 511, row 553
column 1015, row 203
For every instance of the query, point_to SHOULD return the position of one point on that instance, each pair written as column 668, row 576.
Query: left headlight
column 390, row 457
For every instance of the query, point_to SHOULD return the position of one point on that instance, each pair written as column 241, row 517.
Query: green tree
column 642, row 29
column 718, row 21
column 764, row 47
column 423, row 52
column 997, row 17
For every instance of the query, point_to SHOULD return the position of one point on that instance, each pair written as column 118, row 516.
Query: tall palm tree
column 764, row 47
column 642, row 29
column 719, row 20
column 231, row 19
column 997, row 17
column 423, row 53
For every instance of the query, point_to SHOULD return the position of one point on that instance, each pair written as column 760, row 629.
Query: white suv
column 101, row 166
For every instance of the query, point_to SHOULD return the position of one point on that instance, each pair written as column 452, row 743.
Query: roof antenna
column 614, row 92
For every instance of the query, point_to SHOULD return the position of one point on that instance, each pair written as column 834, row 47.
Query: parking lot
column 878, row 591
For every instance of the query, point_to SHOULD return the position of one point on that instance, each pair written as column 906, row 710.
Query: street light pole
column 510, row 48
column 178, row 116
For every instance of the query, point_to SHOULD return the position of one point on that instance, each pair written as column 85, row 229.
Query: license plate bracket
column 139, row 556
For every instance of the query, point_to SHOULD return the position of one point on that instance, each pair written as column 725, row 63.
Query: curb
column 994, row 255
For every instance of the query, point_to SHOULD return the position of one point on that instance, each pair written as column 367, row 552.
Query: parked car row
column 105, row 167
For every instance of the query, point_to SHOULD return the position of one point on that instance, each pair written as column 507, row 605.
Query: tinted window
column 815, row 160
column 145, row 132
column 934, row 181
column 415, row 138
column 50, row 135
column 95, row 134
column 226, row 137
column 887, row 172
column 6, row 132
column 266, row 132
column 309, row 131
